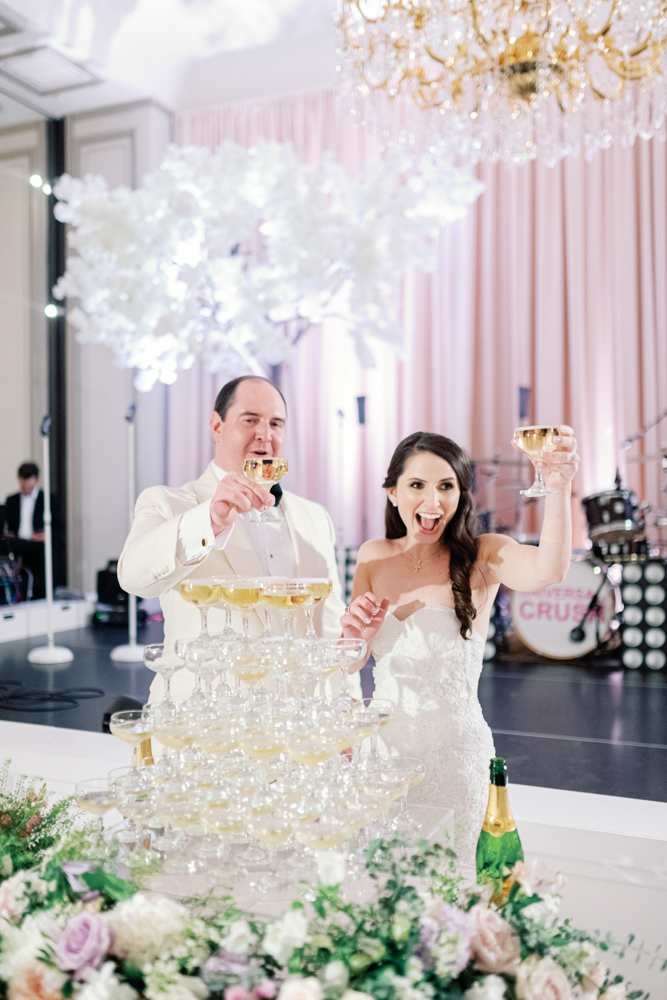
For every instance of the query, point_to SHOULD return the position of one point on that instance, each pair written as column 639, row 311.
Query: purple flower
column 84, row 943
column 228, row 963
column 72, row 870
column 430, row 929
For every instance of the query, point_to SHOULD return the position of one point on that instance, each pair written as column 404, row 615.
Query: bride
column 422, row 597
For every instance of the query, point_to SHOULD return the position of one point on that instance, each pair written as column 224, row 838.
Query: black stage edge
column 57, row 336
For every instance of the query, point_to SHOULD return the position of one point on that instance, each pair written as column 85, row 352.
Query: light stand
column 49, row 653
column 130, row 653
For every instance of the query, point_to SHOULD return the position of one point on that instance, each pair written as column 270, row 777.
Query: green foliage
column 30, row 826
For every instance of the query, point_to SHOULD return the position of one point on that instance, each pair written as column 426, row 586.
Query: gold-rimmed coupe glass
column 265, row 472
column 533, row 441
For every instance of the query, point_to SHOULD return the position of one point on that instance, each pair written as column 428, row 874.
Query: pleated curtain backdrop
column 555, row 280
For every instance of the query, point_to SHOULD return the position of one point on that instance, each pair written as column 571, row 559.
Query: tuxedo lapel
column 38, row 513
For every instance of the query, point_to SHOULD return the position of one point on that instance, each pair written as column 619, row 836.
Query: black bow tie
column 277, row 491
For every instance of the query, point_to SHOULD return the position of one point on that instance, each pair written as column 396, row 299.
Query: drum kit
column 585, row 613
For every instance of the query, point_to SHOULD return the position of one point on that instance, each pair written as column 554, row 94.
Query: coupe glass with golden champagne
column 266, row 472
column 533, row 441
column 244, row 593
column 320, row 588
column 204, row 592
column 288, row 598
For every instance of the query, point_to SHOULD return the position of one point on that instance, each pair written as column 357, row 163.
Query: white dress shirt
column 271, row 540
column 28, row 501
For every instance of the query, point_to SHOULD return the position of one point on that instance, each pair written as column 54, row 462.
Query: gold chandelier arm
column 615, row 59
column 593, row 36
column 477, row 25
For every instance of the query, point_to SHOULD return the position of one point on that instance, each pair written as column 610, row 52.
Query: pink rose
column 541, row 979
column 493, row 946
column 237, row 993
column 36, row 982
column 84, row 943
column 266, row 989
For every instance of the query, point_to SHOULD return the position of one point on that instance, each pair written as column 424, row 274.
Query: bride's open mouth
column 428, row 523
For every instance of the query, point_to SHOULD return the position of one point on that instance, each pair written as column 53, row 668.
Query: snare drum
column 544, row 618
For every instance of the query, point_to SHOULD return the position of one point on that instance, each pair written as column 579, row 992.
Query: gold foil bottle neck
column 499, row 819
column 145, row 752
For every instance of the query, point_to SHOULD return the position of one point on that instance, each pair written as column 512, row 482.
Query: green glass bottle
column 499, row 845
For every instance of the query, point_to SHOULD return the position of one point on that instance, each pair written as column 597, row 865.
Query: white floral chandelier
column 231, row 256
column 522, row 78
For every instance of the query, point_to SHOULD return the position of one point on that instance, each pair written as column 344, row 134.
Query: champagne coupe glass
column 226, row 822
column 96, row 796
column 133, row 727
column 266, row 472
column 533, row 441
column 288, row 598
column 245, row 593
column 320, row 588
column 385, row 708
column 415, row 770
column 124, row 781
column 274, row 829
column 165, row 661
column 202, row 661
column 203, row 592
column 351, row 651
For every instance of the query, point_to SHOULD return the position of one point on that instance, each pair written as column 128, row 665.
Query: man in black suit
column 24, row 526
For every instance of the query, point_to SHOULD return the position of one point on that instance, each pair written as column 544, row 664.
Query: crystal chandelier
column 512, row 79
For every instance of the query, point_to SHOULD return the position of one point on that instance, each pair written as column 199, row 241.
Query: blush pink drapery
column 555, row 280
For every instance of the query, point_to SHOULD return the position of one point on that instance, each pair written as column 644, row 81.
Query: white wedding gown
column 431, row 673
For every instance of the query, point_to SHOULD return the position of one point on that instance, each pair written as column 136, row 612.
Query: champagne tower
column 499, row 846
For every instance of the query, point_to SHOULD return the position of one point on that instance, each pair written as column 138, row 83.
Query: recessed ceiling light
column 45, row 71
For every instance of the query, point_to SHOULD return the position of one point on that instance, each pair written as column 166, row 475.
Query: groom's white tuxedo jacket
column 149, row 565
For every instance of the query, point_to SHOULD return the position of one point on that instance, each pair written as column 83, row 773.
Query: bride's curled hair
column 460, row 535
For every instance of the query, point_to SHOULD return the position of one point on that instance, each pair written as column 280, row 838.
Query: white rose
column 489, row 988
column 355, row 995
column 283, row 936
column 239, row 938
column 614, row 992
column 331, row 867
column 102, row 985
column 594, row 978
column 298, row 988
column 334, row 975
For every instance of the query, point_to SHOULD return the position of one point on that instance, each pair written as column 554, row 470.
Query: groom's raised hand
column 236, row 495
column 363, row 618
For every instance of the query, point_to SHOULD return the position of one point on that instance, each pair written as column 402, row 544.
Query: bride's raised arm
column 530, row 567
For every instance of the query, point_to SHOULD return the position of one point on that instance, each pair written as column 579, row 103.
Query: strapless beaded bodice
column 426, row 667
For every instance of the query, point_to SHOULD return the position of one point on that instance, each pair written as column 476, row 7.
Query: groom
column 209, row 527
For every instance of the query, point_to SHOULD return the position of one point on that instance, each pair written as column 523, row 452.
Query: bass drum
column 544, row 618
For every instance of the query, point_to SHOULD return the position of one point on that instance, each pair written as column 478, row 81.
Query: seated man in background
column 24, row 525
column 210, row 527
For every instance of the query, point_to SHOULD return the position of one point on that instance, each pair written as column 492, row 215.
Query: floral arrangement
column 30, row 825
column 232, row 255
column 74, row 930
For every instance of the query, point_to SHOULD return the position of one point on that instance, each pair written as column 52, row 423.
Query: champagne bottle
column 499, row 846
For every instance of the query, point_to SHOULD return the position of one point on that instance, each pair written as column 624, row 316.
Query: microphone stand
column 578, row 634
column 49, row 653
column 131, row 652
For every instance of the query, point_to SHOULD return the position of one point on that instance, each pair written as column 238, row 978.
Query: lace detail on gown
column 431, row 672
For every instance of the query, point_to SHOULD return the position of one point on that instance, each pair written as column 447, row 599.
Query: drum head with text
column 544, row 618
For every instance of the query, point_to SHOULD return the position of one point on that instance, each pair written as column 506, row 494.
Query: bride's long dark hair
column 460, row 535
